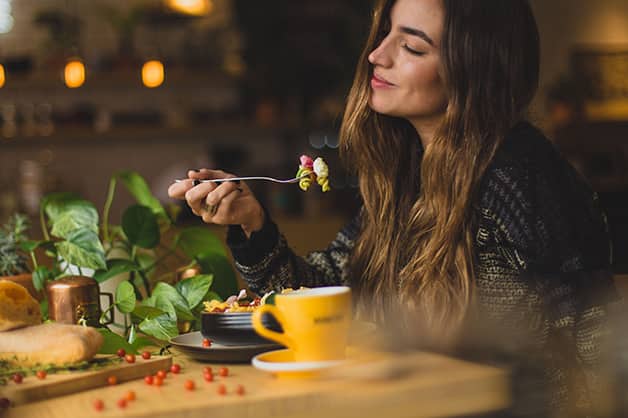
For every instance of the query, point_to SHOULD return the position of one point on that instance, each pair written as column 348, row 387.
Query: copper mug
column 76, row 299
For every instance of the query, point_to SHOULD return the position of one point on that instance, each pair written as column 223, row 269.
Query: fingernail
column 196, row 182
column 194, row 169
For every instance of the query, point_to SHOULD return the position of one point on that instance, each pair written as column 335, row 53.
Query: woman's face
column 406, row 79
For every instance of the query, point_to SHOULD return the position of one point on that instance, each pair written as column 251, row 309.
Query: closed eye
column 412, row 51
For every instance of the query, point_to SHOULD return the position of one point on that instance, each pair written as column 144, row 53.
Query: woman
column 468, row 212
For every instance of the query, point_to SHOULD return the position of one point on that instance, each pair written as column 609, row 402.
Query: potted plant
column 13, row 256
column 148, row 249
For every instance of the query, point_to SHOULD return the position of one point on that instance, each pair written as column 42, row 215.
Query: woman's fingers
column 223, row 211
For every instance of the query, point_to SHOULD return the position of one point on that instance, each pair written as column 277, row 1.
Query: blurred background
column 91, row 87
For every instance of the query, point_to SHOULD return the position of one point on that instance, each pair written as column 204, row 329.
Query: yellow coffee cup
column 315, row 322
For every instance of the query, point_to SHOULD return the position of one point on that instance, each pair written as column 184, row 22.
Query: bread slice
column 17, row 307
column 50, row 343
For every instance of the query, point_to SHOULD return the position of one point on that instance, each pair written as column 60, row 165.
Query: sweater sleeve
column 267, row 263
column 544, row 255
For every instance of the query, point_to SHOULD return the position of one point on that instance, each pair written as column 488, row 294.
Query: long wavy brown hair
column 416, row 246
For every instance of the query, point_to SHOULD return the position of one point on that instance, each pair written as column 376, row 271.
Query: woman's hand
column 226, row 203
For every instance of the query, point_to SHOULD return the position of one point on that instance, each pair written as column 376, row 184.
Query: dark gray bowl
column 235, row 328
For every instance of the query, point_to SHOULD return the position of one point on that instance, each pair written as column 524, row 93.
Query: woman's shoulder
column 538, row 204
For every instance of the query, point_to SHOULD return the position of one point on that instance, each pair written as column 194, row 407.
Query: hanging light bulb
column 191, row 7
column 2, row 76
column 152, row 73
column 74, row 73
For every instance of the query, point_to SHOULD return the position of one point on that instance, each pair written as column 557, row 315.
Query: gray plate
column 191, row 344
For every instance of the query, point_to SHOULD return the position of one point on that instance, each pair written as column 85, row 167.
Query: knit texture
column 542, row 261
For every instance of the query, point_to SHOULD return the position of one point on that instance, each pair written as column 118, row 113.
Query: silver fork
column 283, row 181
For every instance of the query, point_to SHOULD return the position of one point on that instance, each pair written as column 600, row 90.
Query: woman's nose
column 380, row 55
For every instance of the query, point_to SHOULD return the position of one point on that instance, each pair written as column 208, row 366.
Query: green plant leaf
column 195, row 288
column 29, row 246
column 115, row 266
column 141, row 342
column 125, row 297
column 113, row 342
column 55, row 204
column 132, row 336
column 143, row 311
column 162, row 327
column 225, row 282
column 145, row 260
column 75, row 216
column 167, row 292
column 197, row 241
column 140, row 226
column 136, row 185
column 83, row 248
column 40, row 275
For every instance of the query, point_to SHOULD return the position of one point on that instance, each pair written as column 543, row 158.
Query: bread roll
column 50, row 343
column 17, row 307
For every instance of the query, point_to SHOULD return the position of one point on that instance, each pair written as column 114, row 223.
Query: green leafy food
column 140, row 226
column 195, row 289
column 125, row 297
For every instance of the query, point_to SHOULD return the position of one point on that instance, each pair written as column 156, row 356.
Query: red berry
column 207, row 342
column 130, row 396
column 223, row 371
column 41, row 374
column 112, row 380
column 162, row 374
column 122, row 403
column 175, row 368
column 121, row 352
column 4, row 403
column 240, row 390
column 130, row 358
column 18, row 378
column 99, row 405
column 148, row 380
column 208, row 377
column 146, row 355
column 222, row 390
column 159, row 381
column 189, row 385
column 207, row 370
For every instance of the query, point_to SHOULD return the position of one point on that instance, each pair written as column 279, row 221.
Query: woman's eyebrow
column 416, row 32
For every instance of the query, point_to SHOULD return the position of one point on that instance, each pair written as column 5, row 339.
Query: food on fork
column 313, row 170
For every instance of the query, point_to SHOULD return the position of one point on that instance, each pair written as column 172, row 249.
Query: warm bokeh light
column 153, row 73
column 191, row 7
column 74, row 74
column 2, row 76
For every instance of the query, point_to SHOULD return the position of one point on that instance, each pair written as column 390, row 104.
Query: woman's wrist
column 255, row 224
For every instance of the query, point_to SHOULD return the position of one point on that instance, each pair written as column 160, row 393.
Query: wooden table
column 434, row 385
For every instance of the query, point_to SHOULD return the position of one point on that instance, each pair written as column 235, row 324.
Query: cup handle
column 111, row 317
column 259, row 327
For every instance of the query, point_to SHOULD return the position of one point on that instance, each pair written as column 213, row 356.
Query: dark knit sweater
column 543, row 259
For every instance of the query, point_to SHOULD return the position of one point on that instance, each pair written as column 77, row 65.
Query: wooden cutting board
column 33, row 389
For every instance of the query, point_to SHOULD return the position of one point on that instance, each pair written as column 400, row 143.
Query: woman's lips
column 379, row 83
